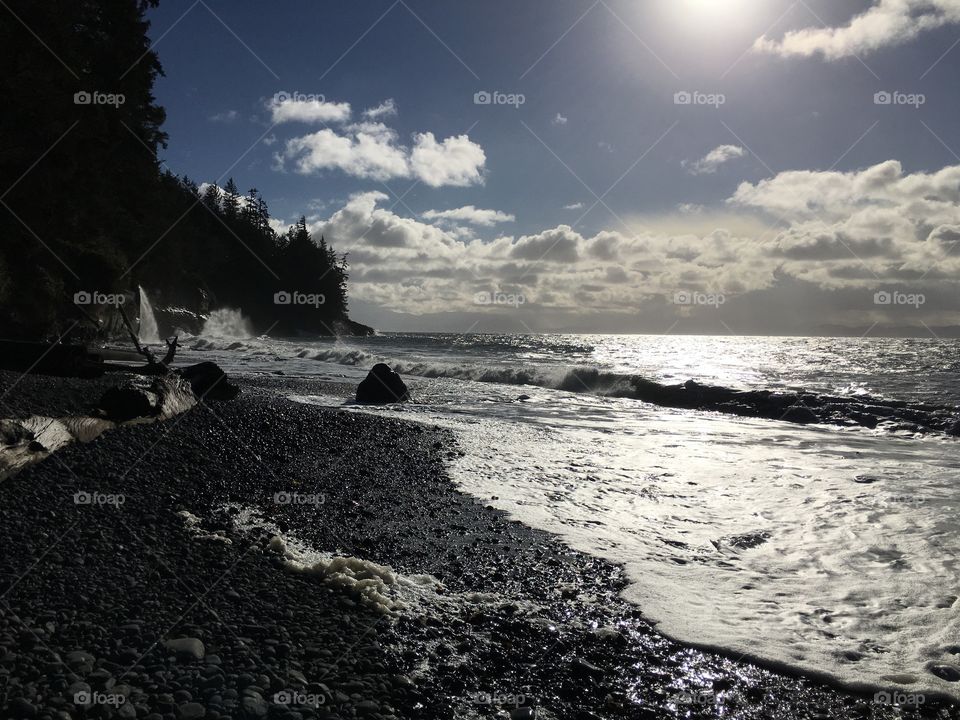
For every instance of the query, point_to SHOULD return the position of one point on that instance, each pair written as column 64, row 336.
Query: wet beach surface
column 93, row 593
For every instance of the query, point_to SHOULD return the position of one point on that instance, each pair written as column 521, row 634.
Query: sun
column 713, row 11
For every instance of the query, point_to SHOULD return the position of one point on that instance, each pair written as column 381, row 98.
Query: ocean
column 826, row 550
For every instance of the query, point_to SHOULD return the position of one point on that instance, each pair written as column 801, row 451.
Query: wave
column 854, row 408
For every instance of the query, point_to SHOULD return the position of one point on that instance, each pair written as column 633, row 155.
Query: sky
column 665, row 166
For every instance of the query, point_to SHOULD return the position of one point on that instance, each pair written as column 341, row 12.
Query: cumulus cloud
column 845, row 234
column 470, row 214
column 367, row 150
column 385, row 109
column 885, row 23
column 709, row 163
column 454, row 161
column 373, row 151
column 285, row 107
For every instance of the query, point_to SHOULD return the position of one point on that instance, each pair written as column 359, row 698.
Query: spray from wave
column 227, row 323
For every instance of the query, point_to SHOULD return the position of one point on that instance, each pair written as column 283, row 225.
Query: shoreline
column 519, row 615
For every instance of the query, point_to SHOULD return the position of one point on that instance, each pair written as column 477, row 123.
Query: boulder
column 382, row 385
column 209, row 382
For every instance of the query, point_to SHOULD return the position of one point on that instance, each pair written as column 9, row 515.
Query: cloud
column 885, row 23
column 385, row 109
column 573, row 206
column 285, row 107
column 782, row 240
column 227, row 116
column 455, row 161
column 367, row 150
column 709, row 163
column 470, row 214
column 373, row 151
column 559, row 120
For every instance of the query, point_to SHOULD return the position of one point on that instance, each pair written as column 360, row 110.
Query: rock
column 22, row 708
column 78, row 658
column 945, row 671
column 253, row 706
column 800, row 414
column 954, row 429
column 191, row 711
column 582, row 668
column 187, row 648
column 209, row 382
column 382, row 385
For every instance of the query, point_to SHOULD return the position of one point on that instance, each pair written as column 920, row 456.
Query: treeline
column 85, row 207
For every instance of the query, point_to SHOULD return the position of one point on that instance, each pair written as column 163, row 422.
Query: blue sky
column 779, row 88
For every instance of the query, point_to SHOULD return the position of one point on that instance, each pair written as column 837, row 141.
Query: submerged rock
column 382, row 385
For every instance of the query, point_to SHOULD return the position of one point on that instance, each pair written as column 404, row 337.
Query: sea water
column 825, row 550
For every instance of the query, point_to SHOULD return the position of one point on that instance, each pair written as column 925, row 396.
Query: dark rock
column 13, row 433
column 800, row 414
column 382, row 385
column 186, row 648
column 209, row 382
column 21, row 708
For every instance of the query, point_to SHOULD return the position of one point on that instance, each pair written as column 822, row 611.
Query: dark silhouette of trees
column 84, row 205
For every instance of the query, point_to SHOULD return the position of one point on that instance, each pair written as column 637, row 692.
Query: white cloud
column 455, row 161
column 559, row 120
column 368, row 150
column 470, row 214
column 385, row 109
column 371, row 150
column 573, row 206
column 851, row 234
column 284, row 108
column 227, row 116
column 885, row 23
column 709, row 163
